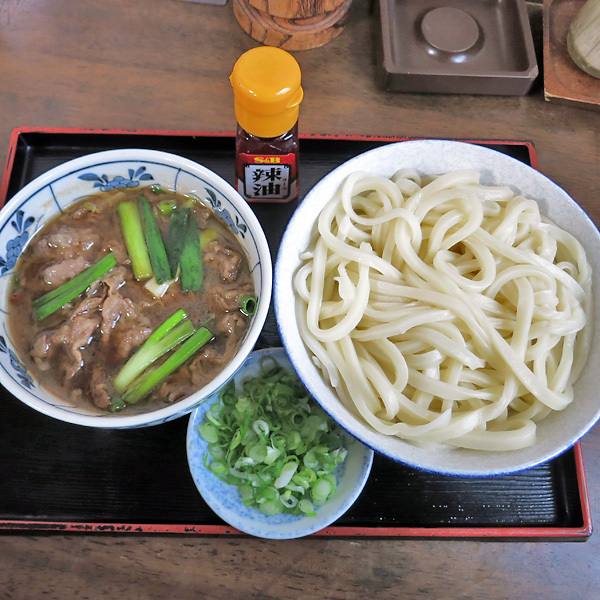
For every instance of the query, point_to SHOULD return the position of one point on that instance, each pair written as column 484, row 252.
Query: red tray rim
column 482, row 533
column 487, row 533
column 18, row 131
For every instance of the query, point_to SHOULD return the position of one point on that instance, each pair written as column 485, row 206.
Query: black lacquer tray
column 56, row 476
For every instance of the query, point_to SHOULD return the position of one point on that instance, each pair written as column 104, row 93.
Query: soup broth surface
column 77, row 351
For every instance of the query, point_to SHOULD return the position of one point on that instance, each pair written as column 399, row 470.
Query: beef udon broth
column 77, row 351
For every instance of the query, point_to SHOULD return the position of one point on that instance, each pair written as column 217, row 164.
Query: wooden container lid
column 303, row 9
column 292, row 33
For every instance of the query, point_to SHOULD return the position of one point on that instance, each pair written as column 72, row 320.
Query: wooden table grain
column 164, row 65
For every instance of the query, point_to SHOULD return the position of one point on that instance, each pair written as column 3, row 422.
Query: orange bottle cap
column 267, row 91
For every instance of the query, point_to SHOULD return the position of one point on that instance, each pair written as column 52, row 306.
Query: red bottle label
column 267, row 178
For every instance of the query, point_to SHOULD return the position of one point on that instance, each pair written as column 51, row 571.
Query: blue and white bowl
column 225, row 500
column 557, row 432
column 49, row 194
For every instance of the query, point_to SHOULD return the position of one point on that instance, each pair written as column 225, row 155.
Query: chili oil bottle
column 267, row 94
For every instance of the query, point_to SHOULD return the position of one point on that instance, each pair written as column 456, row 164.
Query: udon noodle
column 444, row 311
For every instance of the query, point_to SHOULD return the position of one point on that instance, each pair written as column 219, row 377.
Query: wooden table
column 164, row 64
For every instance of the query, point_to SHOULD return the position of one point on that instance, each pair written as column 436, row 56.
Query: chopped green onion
column 248, row 305
column 244, row 403
column 257, row 452
column 192, row 273
column 176, row 236
column 154, row 241
column 236, row 440
column 306, row 507
column 218, row 466
column 272, row 455
column 190, row 201
column 157, row 189
column 293, row 439
column 214, row 419
column 272, row 507
column 116, row 404
column 216, row 450
column 150, row 352
column 49, row 303
column 134, row 240
column 322, row 489
column 247, row 493
column 209, row 432
column 260, row 427
column 166, row 207
column 288, row 500
column 252, row 431
column 286, row 474
column 142, row 386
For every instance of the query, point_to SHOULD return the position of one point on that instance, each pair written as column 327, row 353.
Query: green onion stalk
column 175, row 337
column 55, row 299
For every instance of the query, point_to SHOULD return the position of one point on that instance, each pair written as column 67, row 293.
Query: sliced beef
column 126, row 340
column 93, row 206
column 202, row 368
column 222, row 298
column 114, row 308
column 119, row 250
column 61, row 272
column 77, row 337
column 173, row 392
column 99, row 388
column 115, row 278
column 203, row 215
column 223, row 259
column 232, row 323
column 43, row 348
column 87, row 306
column 67, row 243
column 72, row 337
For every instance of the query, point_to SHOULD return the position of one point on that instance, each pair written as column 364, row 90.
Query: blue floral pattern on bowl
column 18, row 366
column 238, row 227
column 14, row 246
column 118, row 182
column 54, row 191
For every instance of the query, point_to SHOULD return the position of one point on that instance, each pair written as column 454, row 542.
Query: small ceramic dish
column 224, row 499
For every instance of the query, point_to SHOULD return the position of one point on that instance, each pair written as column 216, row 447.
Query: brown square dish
column 457, row 46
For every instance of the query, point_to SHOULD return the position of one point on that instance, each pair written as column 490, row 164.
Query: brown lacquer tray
column 56, row 476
